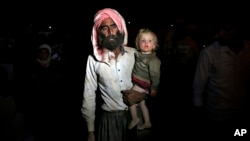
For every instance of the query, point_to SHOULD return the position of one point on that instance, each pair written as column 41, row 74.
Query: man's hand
column 131, row 97
column 91, row 136
column 153, row 93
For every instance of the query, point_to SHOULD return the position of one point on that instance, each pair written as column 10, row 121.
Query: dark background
column 73, row 15
column 73, row 20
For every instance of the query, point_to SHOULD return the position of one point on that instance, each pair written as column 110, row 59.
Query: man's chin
column 111, row 40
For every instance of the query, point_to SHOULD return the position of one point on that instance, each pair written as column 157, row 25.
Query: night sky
column 70, row 15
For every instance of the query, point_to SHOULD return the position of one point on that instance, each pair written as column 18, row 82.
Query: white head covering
column 47, row 61
column 46, row 46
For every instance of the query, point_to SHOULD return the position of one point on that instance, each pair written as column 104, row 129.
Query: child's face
column 147, row 43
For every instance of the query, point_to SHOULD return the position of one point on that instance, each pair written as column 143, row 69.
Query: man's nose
column 111, row 31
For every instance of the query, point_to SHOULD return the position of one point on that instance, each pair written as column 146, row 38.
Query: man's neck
column 117, row 51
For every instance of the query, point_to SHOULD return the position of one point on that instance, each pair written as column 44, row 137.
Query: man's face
column 109, row 35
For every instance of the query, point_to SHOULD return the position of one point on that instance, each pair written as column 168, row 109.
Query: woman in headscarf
column 44, row 93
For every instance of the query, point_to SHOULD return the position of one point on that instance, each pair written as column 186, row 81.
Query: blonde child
column 146, row 74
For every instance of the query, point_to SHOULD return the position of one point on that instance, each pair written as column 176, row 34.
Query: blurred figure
column 44, row 94
column 221, row 83
column 146, row 74
column 187, row 48
column 11, row 116
column 11, row 119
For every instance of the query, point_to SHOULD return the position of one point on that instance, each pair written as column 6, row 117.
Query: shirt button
column 120, row 80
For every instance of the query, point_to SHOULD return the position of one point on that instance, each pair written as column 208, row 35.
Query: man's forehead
column 107, row 21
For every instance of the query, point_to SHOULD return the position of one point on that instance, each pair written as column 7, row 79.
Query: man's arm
column 200, row 78
column 89, row 96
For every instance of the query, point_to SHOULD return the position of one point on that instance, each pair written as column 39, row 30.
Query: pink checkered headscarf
column 101, row 15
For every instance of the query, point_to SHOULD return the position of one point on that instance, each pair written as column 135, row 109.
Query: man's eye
column 114, row 26
column 104, row 28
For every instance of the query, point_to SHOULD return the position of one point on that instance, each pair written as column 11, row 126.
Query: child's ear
column 154, row 47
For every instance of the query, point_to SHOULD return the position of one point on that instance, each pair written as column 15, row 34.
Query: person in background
column 11, row 118
column 221, row 82
column 146, row 74
column 44, row 69
column 44, row 94
column 108, row 70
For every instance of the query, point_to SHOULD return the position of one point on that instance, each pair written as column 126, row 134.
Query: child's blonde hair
column 143, row 31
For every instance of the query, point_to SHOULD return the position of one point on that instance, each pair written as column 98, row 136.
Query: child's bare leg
column 145, row 113
column 135, row 120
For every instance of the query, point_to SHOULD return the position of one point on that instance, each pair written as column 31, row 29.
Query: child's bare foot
column 133, row 123
column 145, row 126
